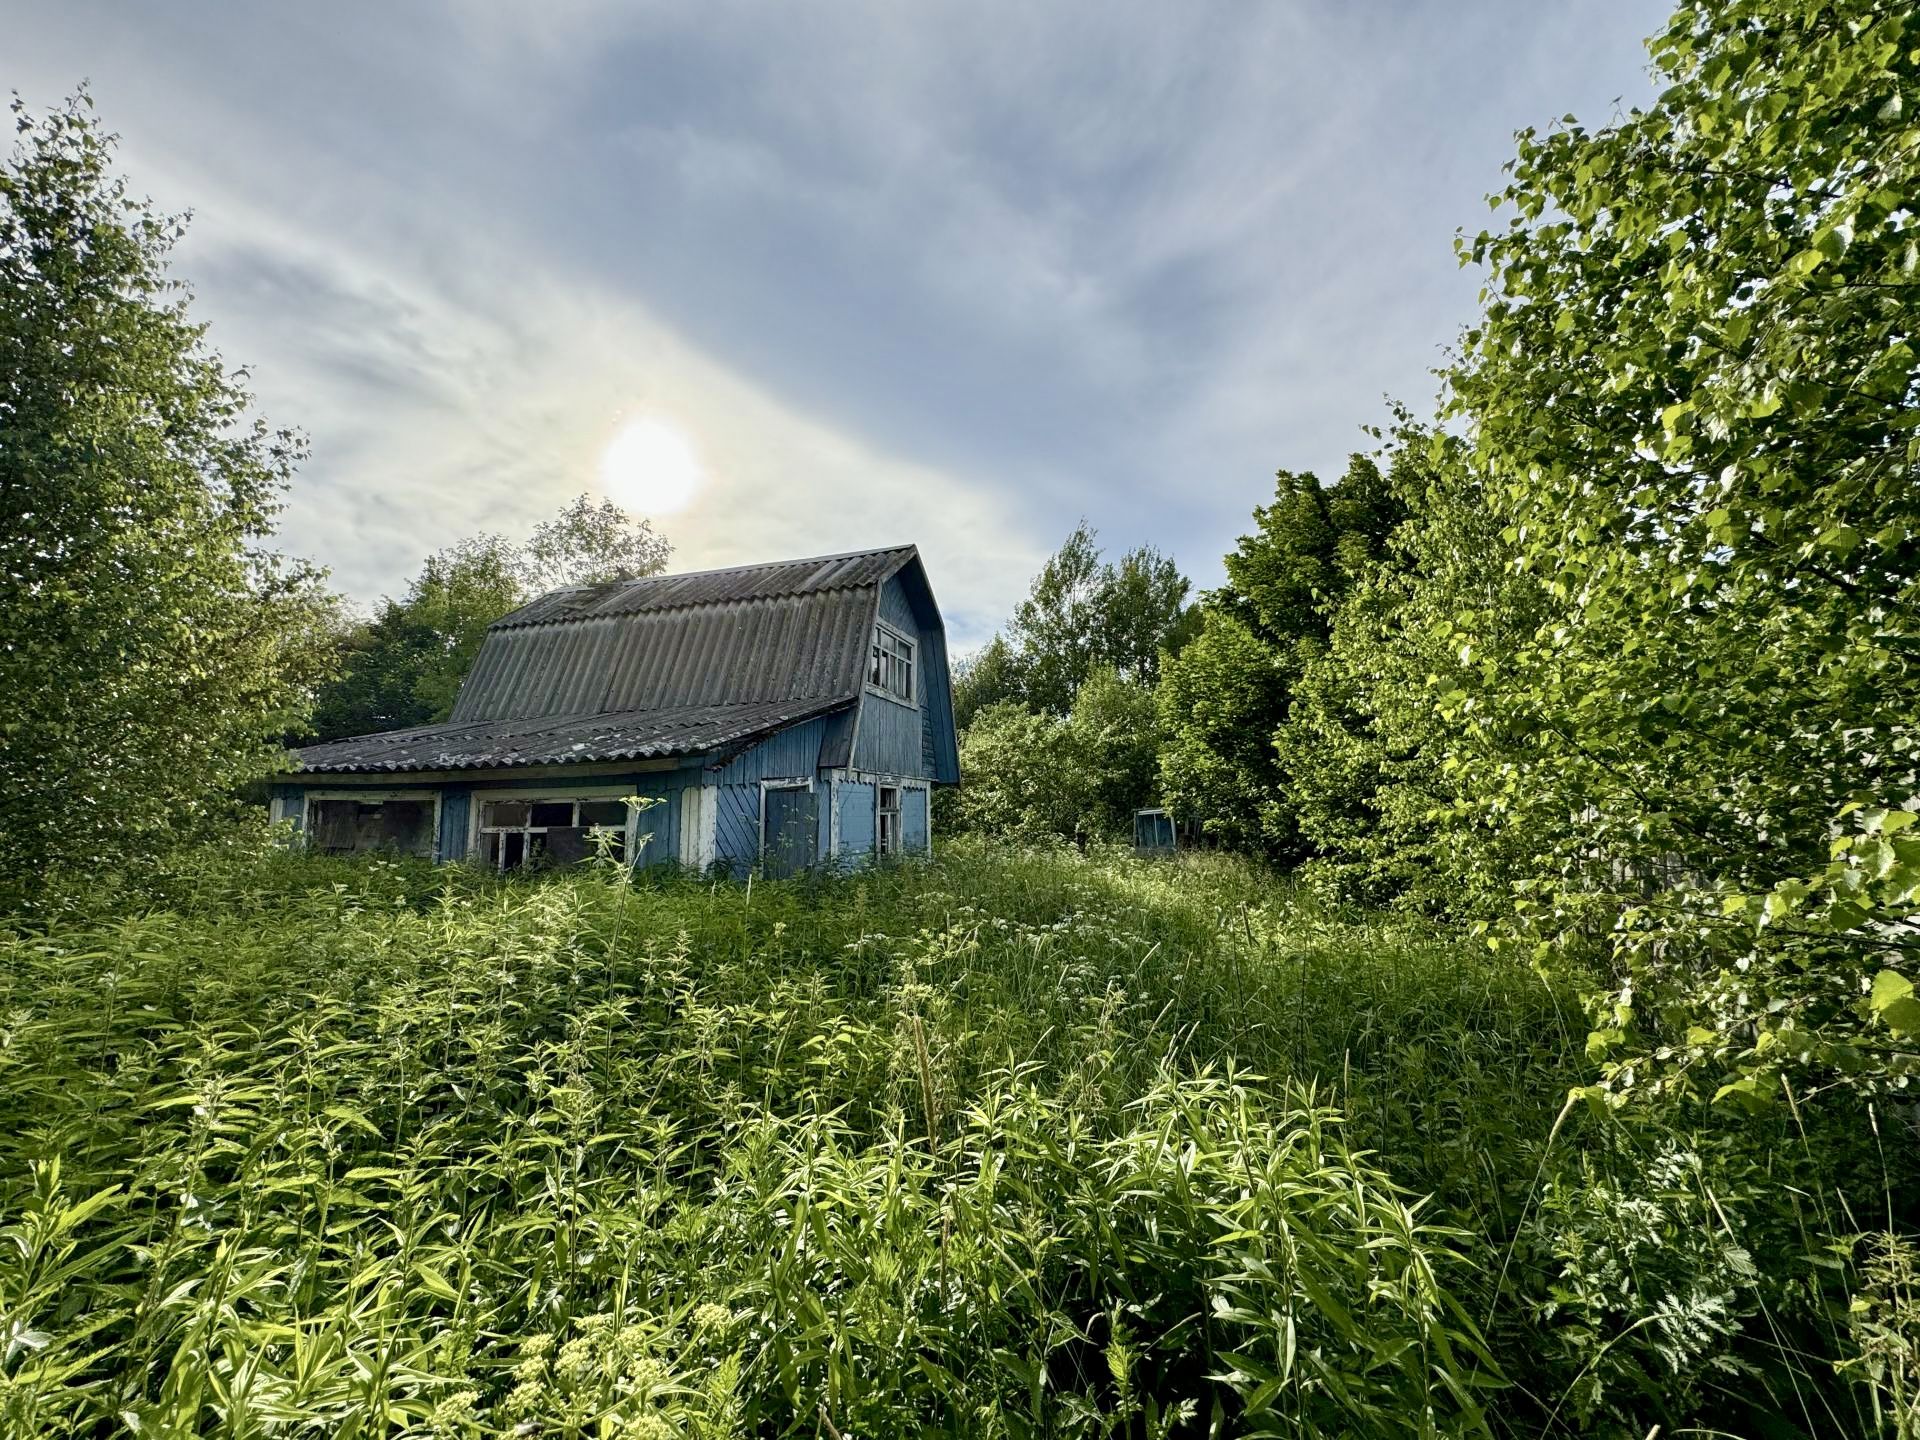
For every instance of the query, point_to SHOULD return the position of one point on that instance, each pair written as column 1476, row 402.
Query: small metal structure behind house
column 1154, row 833
column 777, row 716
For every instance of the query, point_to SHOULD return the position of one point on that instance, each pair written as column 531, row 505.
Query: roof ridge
column 733, row 569
column 606, row 590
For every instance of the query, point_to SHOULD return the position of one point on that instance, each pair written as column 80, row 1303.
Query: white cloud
column 956, row 273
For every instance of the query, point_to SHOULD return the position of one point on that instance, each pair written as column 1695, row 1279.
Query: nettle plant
column 1693, row 398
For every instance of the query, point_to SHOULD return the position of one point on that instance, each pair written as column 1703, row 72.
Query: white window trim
column 912, row 700
column 366, row 797
column 477, row 800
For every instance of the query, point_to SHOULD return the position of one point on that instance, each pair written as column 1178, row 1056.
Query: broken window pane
column 552, row 812
column 566, row 844
column 504, row 812
column 603, row 812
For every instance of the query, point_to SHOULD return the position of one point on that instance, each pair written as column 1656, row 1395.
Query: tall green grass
column 1015, row 1144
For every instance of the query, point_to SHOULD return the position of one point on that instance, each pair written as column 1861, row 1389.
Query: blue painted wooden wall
column 736, row 831
column 889, row 739
column 909, row 741
column 855, row 800
column 913, row 821
column 793, row 754
column 455, row 810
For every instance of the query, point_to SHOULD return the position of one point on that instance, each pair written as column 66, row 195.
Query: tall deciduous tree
column 1226, row 695
column 589, row 544
column 1362, row 745
column 1695, row 398
column 154, row 651
column 1082, row 612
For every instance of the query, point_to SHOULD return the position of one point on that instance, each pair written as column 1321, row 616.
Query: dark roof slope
column 795, row 630
column 560, row 739
column 668, row 665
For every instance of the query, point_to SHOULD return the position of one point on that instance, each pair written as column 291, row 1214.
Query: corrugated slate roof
column 779, row 579
column 667, row 665
column 560, row 739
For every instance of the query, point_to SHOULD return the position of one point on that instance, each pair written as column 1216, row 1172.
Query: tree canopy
column 1081, row 613
column 1224, row 698
column 155, row 648
column 1693, row 400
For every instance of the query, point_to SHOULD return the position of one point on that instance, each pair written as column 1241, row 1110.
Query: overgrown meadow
column 1012, row 1144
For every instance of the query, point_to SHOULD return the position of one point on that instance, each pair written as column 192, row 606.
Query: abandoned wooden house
column 774, row 715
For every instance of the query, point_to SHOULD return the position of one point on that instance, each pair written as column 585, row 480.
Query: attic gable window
column 890, row 667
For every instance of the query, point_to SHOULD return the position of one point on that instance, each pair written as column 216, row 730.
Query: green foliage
column 1021, row 776
column 1082, row 613
column 589, row 544
column 155, row 651
column 1308, row 548
column 1220, row 703
column 969, row 1149
column 978, row 1147
column 1226, row 697
column 1885, row 1320
column 989, row 676
column 1032, row 775
column 404, row 666
column 1115, row 735
column 1692, row 399
column 1363, row 744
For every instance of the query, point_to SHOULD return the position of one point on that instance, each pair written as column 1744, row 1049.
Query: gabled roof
column 670, row 665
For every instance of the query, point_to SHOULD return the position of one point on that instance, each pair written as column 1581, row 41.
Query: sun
column 650, row 467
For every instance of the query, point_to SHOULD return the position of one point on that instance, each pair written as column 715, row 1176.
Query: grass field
column 1009, row 1145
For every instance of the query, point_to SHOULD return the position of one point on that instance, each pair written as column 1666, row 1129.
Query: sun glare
column 649, row 468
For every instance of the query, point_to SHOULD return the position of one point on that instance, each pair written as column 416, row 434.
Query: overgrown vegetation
column 1020, row 1143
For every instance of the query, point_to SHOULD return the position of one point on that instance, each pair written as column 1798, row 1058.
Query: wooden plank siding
column 853, row 805
column 456, row 810
column 737, row 829
column 913, row 821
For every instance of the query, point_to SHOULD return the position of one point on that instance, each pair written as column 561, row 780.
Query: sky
column 959, row 274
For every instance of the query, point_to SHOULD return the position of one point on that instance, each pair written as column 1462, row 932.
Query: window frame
column 366, row 795
column 887, row 838
column 892, row 652
column 478, row 829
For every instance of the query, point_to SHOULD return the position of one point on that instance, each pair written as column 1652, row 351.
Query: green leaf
column 1892, row 1000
